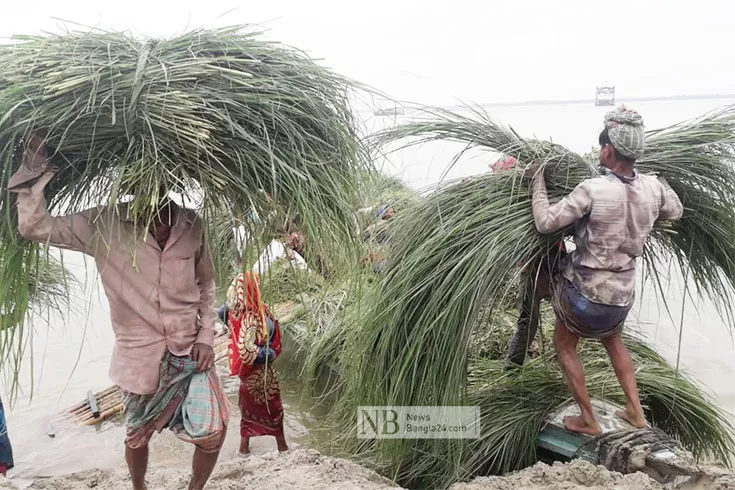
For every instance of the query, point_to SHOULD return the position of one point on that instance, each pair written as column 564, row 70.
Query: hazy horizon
column 435, row 53
column 581, row 100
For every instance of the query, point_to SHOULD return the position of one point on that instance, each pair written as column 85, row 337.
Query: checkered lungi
column 192, row 405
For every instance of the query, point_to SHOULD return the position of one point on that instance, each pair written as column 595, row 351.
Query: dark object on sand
column 92, row 400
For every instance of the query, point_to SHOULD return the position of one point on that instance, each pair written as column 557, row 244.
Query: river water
column 71, row 353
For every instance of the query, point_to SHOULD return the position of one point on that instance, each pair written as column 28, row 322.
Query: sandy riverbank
column 307, row 469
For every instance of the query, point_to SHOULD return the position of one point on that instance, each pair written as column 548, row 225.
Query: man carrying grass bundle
column 160, row 283
column 613, row 215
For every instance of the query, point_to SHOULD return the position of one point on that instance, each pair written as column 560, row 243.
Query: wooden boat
column 621, row 447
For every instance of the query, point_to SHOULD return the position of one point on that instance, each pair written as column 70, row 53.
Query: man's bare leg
column 202, row 465
column 137, row 460
column 623, row 365
column 565, row 343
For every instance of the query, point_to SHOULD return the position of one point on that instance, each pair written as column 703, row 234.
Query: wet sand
column 299, row 468
column 307, row 469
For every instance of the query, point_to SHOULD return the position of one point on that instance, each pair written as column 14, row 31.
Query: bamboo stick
column 109, row 403
column 81, row 405
column 105, row 415
column 102, row 403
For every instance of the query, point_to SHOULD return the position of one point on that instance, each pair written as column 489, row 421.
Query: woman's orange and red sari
column 255, row 342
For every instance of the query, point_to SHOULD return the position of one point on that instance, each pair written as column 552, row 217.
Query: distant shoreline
column 591, row 101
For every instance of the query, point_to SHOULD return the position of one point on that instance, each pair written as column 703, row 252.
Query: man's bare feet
column 533, row 350
column 636, row 420
column 577, row 423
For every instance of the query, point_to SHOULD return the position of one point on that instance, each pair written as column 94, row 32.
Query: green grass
column 223, row 117
column 455, row 261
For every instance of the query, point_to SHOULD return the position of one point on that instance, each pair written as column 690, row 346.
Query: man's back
column 620, row 216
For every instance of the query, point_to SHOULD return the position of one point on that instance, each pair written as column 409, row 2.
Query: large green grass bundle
column 284, row 282
column 516, row 404
column 456, row 258
column 331, row 319
column 223, row 117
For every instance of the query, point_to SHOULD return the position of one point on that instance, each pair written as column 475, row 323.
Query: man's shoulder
column 603, row 187
column 605, row 179
column 595, row 182
column 112, row 212
column 651, row 184
column 122, row 211
column 599, row 179
column 191, row 216
column 650, row 179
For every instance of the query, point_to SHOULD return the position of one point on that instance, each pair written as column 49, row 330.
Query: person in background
column 255, row 342
column 534, row 286
column 385, row 212
column 378, row 230
column 376, row 261
column 6, row 450
column 295, row 242
column 223, row 312
column 506, row 162
column 162, row 310
column 613, row 216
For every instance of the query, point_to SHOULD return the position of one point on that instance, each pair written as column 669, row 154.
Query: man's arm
column 671, row 207
column 569, row 210
column 72, row 232
column 205, row 276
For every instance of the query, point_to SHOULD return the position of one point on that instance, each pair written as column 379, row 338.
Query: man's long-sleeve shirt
column 159, row 299
column 614, row 216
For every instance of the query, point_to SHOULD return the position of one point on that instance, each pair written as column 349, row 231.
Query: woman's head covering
column 626, row 131
column 249, row 326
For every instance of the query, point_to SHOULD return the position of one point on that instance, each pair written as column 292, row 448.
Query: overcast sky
column 439, row 51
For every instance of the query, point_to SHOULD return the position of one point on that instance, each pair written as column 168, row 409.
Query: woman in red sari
column 255, row 342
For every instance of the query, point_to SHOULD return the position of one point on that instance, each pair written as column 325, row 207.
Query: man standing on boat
column 614, row 214
column 160, row 283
